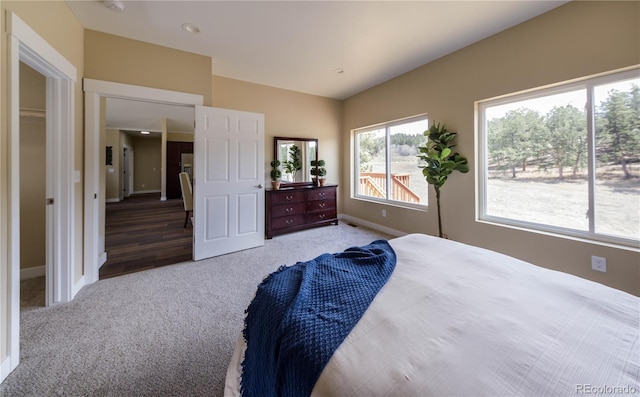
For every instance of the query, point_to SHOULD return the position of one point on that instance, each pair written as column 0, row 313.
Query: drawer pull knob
column 289, row 210
column 288, row 197
column 321, row 216
column 321, row 205
column 289, row 221
column 321, row 194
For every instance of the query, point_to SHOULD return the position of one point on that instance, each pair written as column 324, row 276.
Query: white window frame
column 587, row 83
column 355, row 188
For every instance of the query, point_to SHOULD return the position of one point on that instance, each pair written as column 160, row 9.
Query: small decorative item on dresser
column 275, row 174
column 319, row 172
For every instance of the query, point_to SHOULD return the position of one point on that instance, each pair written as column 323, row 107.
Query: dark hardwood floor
column 143, row 232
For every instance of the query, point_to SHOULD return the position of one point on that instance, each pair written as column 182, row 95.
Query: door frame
column 26, row 46
column 94, row 92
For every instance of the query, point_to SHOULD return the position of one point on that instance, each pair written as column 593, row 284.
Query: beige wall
column 33, row 89
column 32, row 192
column 146, row 164
column 575, row 40
column 58, row 26
column 287, row 114
column 32, row 169
column 179, row 137
column 114, row 58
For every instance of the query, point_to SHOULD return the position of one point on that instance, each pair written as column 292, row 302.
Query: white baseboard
column 145, row 191
column 102, row 258
column 113, row 200
column 163, row 198
column 5, row 368
column 371, row 225
column 77, row 287
column 32, row 272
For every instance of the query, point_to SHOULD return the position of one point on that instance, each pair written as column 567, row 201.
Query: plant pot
column 321, row 180
column 275, row 184
column 315, row 181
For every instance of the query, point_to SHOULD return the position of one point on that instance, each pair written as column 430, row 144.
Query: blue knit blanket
column 302, row 313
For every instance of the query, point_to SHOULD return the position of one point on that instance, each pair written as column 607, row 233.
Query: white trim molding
column 32, row 272
column 25, row 45
column 77, row 286
column 36, row 46
column 102, row 259
column 126, row 91
column 5, row 368
column 145, row 192
column 94, row 91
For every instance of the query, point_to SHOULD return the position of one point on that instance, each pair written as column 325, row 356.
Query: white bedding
column 459, row 320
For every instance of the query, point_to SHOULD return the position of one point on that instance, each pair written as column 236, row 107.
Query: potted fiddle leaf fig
column 318, row 171
column 440, row 160
column 275, row 174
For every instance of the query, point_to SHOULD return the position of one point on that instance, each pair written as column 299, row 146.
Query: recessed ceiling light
column 338, row 70
column 114, row 5
column 191, row 28
column 145, row 132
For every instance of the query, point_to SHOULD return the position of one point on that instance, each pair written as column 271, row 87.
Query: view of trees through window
column 537, row 159
column 394, row 175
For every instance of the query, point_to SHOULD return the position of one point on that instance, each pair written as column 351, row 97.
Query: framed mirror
column 295, row 155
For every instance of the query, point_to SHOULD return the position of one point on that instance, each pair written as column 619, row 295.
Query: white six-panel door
column 228, row 192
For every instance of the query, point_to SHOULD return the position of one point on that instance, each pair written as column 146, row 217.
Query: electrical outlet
column 384, row 213
column 599, row 263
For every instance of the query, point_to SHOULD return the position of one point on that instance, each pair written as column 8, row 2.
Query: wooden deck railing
column 374, row 184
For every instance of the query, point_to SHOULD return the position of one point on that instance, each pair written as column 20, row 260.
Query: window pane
column 372, row 165
column 617, row 190
column 310, row 155
column 285, row 154
column 537, row 160
column 407, row 182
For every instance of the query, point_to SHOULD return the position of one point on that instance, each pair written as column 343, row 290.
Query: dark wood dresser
column 296, row 208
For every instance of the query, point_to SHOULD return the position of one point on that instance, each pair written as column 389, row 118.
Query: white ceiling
column 298, row 45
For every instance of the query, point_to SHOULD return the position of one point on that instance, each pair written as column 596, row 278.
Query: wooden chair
column 187, row 196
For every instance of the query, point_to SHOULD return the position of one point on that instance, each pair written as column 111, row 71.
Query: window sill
column 391, row 203
column 620, row 244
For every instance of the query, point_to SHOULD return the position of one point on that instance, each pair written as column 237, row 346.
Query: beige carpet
column 169, row 331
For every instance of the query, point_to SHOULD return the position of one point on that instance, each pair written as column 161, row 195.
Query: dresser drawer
column 321, row 193
column 322, row 216
column 288, row 210
column 285, row 197
column 287, row 221
column 298, row 208
column 320, row 205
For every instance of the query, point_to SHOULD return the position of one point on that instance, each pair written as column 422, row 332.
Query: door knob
column 260, row 186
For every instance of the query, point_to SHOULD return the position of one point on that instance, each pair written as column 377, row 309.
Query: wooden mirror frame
column 275, row 156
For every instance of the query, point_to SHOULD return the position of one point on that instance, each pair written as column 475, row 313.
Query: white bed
column 459, row 320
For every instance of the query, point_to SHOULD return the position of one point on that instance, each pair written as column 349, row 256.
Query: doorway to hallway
column 142, row 232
